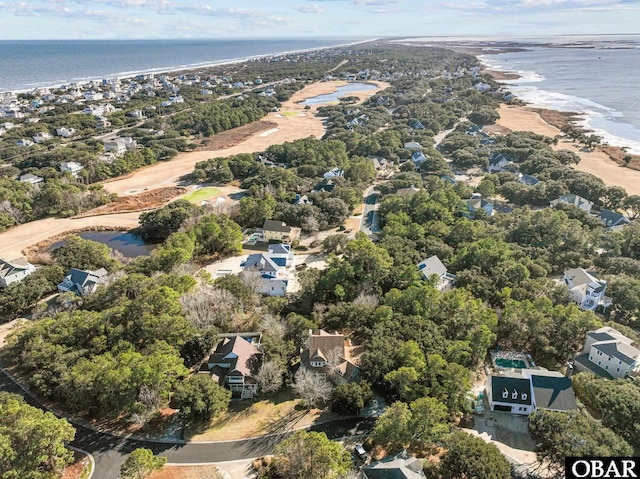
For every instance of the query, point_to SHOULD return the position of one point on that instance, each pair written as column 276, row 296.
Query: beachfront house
column 82, row 282
column 329, row 355
column 524, row 391
column 433, row 267
column 14, row 271
column 575, row 200
column 234, row 363
column 608, row 353
column 585, row 289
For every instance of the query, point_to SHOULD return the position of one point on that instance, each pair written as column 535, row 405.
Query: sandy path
column 596, row 162
column 290, row 127
column 12, row 242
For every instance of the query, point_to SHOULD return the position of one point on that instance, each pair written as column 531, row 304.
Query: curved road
column 110, row 451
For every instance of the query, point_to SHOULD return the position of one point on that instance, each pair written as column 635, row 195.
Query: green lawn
column 202, row 194
column 289, row 113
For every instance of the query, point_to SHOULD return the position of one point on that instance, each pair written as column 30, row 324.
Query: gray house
column 82, row 282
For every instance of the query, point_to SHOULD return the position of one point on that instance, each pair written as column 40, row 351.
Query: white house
column 30, row 178
column 522, row 392
column 585, row 289
column 93, row 96
column 119, row 146
column 71, row 167
column 575, row 200
column 433, row 266
column 24, row 142
column 41, row 137
column 608, row 353
column 498, row 162
column 335, row 172
column 412, row 145
column 267, row 273
column 14, row 271
column 65, row 132
column 418, row 157
column 82, row 282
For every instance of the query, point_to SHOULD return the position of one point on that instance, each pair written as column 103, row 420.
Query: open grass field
column 202, row 194
column 290, row 113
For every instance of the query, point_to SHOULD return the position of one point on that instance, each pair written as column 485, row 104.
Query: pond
column 340, row 92
column 129, row 244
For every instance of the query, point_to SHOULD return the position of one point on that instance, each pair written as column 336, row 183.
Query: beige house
column 329, row 354
column 279, row 231
column 14, row 271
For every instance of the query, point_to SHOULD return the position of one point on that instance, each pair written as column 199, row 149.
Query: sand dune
column 518, row 118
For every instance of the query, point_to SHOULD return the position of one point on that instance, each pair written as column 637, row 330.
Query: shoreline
column 182, row 68
column 596, row 162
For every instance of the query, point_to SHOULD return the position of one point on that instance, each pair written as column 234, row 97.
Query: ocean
column 598, row 79
column 25, row 65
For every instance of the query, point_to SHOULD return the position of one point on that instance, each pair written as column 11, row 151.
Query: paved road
column 369, row 223
column 110, row 451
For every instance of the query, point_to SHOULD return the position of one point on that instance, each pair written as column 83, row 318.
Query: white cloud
column 312, row 8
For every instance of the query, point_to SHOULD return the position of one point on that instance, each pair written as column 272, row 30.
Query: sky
column 169, row 19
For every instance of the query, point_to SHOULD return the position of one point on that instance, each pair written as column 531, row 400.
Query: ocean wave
column 600, row 119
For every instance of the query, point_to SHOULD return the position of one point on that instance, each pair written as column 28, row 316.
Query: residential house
column 82, row 282
column 417, row 125
column 327, row 186
column 71, row 167
column 412, row 145
column 234, row 363
column 400, row 466
column 102, row 122
column 119, row 146
column 575, row 200
column 328, row 354
column 301, row 200
column 448, row 179
column 608, row 353
column 418, row 157
column 267, row 273
column 433, row 266
column 528, row 180
column 524, row 391
column 473, row 130
column 334, row 173
column 477, row 203
column 29, row 178
column 412, row 190
column 136, row 114
column 41, row 137
column 65, row 132
column 498, row 162
column 279, row 231
column 93, row 96
column 14, row 271
column 612, row 220
column 282, row 251
column 585, row 289
column 24, row 142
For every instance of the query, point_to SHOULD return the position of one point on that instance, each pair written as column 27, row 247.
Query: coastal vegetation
column 135, row 345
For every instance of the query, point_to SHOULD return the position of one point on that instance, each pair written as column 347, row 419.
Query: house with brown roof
column 279, row 231
column 234, row 363
column 329, row 354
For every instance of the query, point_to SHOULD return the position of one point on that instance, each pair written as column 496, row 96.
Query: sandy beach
column 297, row 123
column 519, row 118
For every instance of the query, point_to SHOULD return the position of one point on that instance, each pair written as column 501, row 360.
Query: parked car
column 360, row 452
column 301, row 266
